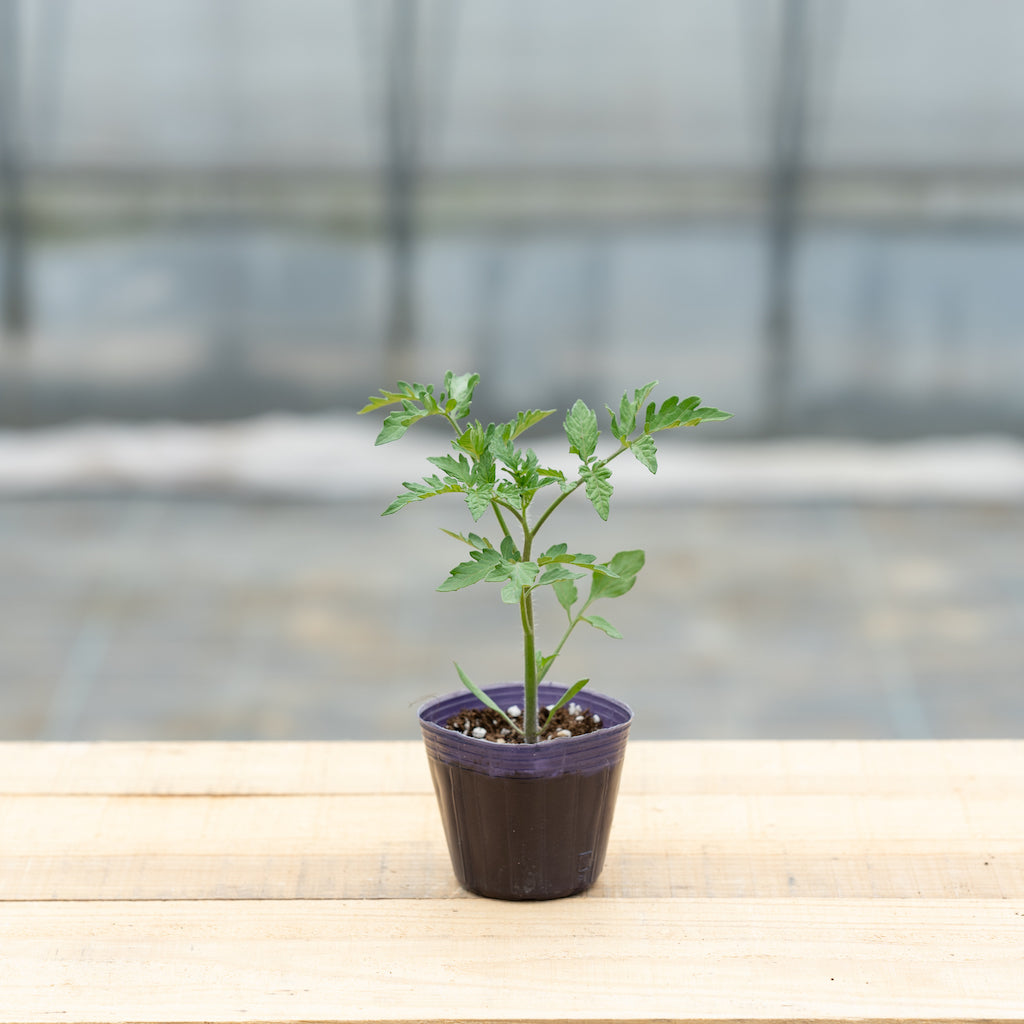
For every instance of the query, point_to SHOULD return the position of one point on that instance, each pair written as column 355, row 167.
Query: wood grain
column 709, row 767
column 177, row 882
column 416, row 960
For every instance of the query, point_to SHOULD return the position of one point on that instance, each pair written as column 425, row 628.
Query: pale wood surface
column 179, row 882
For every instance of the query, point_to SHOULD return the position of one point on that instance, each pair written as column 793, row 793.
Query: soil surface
column 485, row 724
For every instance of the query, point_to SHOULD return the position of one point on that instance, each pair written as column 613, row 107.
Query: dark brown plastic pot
column 526, row 821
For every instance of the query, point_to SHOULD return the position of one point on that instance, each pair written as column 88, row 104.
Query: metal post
column 400, row 181
column 14, row 225
column 785, row 182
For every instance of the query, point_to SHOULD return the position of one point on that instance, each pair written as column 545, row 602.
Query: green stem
column 500, row 518
column 573, row 623
column 530, row 731
column 575, row 487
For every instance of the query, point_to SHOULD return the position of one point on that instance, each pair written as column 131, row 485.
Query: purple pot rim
column 592, row 751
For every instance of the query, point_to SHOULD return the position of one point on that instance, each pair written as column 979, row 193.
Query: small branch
column 565, row 494
column 529, row 669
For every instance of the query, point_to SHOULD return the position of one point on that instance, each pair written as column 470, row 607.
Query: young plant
column 496, row 476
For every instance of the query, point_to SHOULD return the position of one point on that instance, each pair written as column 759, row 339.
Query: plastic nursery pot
column 526, row 821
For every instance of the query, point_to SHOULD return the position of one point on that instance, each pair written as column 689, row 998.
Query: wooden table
column 183, row 882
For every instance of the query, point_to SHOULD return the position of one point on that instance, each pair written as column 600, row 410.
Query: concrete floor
column 173, row 617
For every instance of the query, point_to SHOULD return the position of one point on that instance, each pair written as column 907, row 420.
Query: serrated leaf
column 486, row 700
column 626, row 564
column 523, row 574
column 673, row 413
column 473, row 540
column 565, row 591
column 509, row 550
column 555, row 573
column 465, row 574
column 567, row 696
column 460, row 389
column 525, row 420
column 550, row 475
column 511, row 593
column 397, row 423
column 598, row 622
column 581, row 430
column 478, row 500
column 472, row 440
column 627, row 415
column 708, row 415
column 596, row 482
column 646, row 452
column 385, row 398
column 459, row 468
column 503, row 450
column 431, row 488
column 543, row 664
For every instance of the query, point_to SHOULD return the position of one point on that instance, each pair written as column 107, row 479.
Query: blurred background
column 223, row 225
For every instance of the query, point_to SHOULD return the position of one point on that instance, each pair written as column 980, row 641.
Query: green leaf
column 625, row 423
column 565, row 591
column 473, row 440
column 430, row 488
column 484, row 698
column 527, row 419
column 646, row 452
column 550, row 476
column 460, row 393
column 626, row 564
column 543, row 664
column 478, row 501
column 397, row 423
column 508, row 550
column 465, row 574
column 673, row 412
column 520, row 575
column 599, row 490
column 473, row 540
column 416, row 392
column 554, row 573
column 707, row 415
column 598, row 622
column 586, row 561
column 504, row 451
column 523, row 574
column 627, row 416
column 567, row 696
column 459, row 468
column 581, row 430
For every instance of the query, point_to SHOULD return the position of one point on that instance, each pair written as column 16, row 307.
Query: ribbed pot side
column 526, row 822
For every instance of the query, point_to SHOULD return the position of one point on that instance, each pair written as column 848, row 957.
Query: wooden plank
column 335, row 824
column 392, row 847
column 590, row 959
column 407, row 870
column 208, row 768
column 708, row 767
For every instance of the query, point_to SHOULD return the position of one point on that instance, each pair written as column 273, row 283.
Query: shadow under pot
column 526, row 821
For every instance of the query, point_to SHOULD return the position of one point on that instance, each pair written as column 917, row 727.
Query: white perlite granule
column 515, row 711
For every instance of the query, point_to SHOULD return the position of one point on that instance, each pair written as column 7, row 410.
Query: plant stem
column 500, row 518
column 529, row 669
column 573, row 623
column 565, row 494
